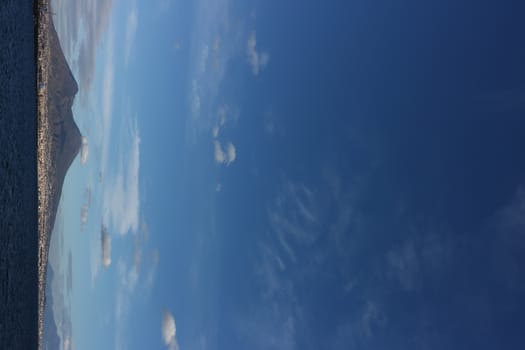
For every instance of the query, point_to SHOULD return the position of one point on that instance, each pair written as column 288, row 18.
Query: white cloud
column 95, row 254
column 211, row 48
column 121, row 196
column 168, row 327
column 128, row 276
column 130, row 280
column 219, row 153
column 84, row 210
column 84, row 151
column 169, row 330
column 225, row 114
column 223, row 153
column 67, row 343
column 295, row 217
column 122, row 306
column 104, row 127
column 224, row 156
column 231, row 152
column 215, row 132
column 195, row 100
column 257, row 60
column 106, row 247
column 203, row 58
column 149, row 278
column 131, row 30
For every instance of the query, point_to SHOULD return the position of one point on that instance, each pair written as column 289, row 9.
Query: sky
column 293, row 175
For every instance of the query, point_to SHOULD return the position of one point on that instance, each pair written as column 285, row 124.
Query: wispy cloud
column 126, row 281
column 214, row 44
column 95, row 15
column 84, row 210
column 169, row 331
column 121, row 195
column 224, row 153
column 293, row 254
column 292, row 231
column 226, row 114
column 68, row 343
column 231, row 153
column 69, row 272
column 135, row 273
column 128, row 276
column 215, row 132
column 95, row 254
column 272, row 326
column 195, row 100
column 60, row 284
column 107, row 101
column 103, row 125
column 105, row 239
column 294, row 218
column 257, row 60
column 131, row 30
column 151, row 273
column 84, row 151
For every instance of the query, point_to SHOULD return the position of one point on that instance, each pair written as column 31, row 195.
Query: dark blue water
column 18, row 178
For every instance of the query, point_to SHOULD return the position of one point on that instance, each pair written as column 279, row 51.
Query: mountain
column 66, row 137
column 60, row 143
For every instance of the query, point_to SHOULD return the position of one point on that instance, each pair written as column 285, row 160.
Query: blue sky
column 285, row 175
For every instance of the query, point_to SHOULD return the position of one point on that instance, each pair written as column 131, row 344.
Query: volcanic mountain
column 65, row 136
column 59, row 142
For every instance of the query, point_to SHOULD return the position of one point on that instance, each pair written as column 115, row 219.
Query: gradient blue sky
column 295, row 175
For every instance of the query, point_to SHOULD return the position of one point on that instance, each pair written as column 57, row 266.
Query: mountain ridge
column 64, row 133
column 59, row 143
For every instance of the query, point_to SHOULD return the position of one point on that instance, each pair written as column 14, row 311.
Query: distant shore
column 42, row 18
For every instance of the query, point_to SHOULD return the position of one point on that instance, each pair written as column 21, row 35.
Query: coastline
column 43, row 151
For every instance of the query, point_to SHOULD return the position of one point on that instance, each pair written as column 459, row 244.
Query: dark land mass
column 18, row 178
column 66, row 137
column 65, row 143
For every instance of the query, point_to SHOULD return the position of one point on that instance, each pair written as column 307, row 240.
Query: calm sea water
column 18, row 180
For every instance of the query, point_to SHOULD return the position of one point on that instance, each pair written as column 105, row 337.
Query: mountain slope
column 59, row 142
column 66, row 137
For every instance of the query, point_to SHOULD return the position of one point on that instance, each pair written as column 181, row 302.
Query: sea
column 18, row 177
